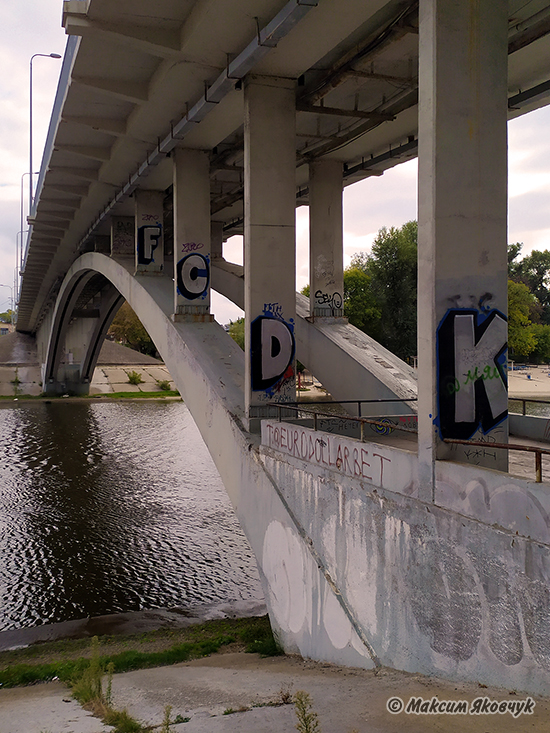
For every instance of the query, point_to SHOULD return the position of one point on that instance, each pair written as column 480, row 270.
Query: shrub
column 134, row 378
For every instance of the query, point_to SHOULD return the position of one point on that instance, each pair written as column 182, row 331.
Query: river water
column 107, row 508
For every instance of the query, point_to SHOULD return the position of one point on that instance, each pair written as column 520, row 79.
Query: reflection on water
column 112, row 507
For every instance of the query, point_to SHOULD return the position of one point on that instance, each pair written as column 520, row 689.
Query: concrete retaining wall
column 458, row 588
column 529, row 426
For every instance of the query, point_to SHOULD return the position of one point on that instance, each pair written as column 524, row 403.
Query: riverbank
column 231, row 691
column 530, row 383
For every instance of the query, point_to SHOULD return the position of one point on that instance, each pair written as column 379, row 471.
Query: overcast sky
column 34, row 26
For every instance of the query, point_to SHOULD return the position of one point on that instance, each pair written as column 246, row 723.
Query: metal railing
column 298, row 407
column 316, row 414
column 524, row 402
column 539, row 452
column 354, row 402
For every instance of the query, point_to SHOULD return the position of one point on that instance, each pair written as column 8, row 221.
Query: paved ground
column 206, row 690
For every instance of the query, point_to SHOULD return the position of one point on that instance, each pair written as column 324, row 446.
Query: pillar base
column 192, row 314
column 68, row 382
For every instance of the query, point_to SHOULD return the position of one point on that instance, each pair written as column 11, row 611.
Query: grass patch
column 258, row 638
column 68, row 659
column 139, row 395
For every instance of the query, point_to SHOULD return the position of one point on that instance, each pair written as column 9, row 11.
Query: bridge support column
column 269, row 258
column 149, row 232
column 191, row 234
column 462, row 285
column 326, row 247
column 216, row 235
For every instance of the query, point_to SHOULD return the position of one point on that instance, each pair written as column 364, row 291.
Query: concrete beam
column 161, row 42
column 270, row 244
column 86, row 151
column 133, row 92
column 75, row 190
column 87, row 174
column 326, row 245
column 192, row 276
column 462, row 238
column 102, row 124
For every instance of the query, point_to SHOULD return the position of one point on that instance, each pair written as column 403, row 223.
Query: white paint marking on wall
column 337, row 624
column 283, row 566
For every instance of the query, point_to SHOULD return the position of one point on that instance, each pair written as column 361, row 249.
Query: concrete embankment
column 20, row 369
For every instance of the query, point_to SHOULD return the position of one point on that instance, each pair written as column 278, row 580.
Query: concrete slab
column 29, row 374
column 116, row 375
column 7, row 373
column 345, row 699
column 125, row 387
column 29, row 388
column 45, row 708
column 101, row 389
column 158, row 373
column 99, row 377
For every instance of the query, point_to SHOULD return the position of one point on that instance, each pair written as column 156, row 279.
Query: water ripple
column 106, row 508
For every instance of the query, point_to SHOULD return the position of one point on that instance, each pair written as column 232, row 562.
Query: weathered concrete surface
column 331, row 349
column 45, row 708
column 457, row 587
column 345, row 700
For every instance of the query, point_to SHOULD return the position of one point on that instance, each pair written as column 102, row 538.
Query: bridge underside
column 368, row 554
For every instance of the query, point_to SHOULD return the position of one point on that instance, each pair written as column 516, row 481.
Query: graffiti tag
column 191, row 246
column 148, row 238
column 471, row 353
column 273, row 309
column 333, row 300
column 329, row 451
column 272, row 352
column 193, row 276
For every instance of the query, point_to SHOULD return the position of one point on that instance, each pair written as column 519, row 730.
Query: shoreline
column 130, row 622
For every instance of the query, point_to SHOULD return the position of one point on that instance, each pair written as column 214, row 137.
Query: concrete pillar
column 216, row 236
column 270, row 264
column 192, row 234
column 326, row 246
column 462, row 283
column 123, row 237
column 149, row 232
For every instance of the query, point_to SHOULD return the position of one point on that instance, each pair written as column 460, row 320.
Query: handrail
column 509, row 446
column 380, row 423
column 523, row 400
column 355, row 402
column 361, row 420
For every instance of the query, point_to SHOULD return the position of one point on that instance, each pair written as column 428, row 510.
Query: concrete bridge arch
column 207, row 367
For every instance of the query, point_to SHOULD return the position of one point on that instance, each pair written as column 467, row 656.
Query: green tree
column 360, row 305
column 513, row 254
column 127, row 329
column 392, row 268
column 521, row 335
column 7, row 316
column 534, row 272
column 236, row 331
column 541, row 352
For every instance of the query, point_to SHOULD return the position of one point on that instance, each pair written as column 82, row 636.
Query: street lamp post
column 46, row 55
